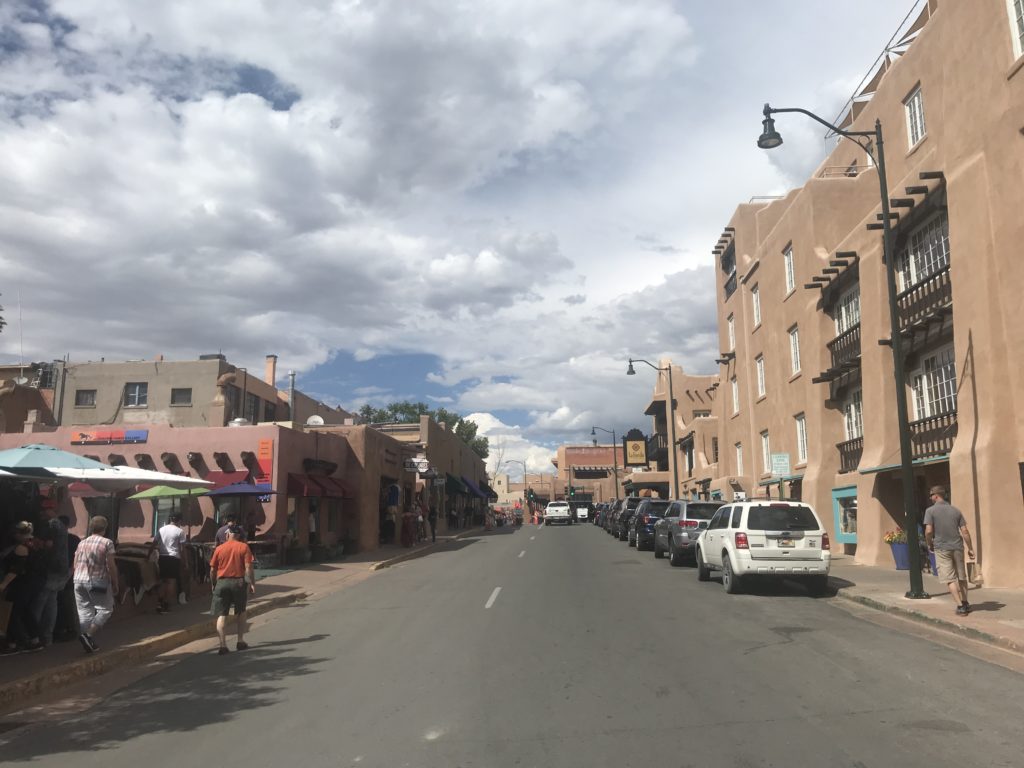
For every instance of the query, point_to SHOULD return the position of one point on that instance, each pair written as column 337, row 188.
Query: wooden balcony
column 845, row 347
column 850, row 453
column 933, row 436
column 657, row 448
column 930, row 298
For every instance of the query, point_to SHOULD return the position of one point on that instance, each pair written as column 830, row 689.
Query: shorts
column 950, row 565
column 228, row 593
column 170, row 567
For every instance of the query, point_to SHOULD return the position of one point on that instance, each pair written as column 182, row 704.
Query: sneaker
column 87, row 643
column 222, row 650
column 9, row 650
column 966, row 606
column 961, row 610
column 242, row 645
column 182, row 600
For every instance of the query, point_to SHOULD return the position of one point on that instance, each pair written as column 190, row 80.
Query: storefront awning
column 781, row 480
column 221, row 479
column 318, row 485
column 492, row 495
column 454, row 485
column 917, row 463
column 473, row 488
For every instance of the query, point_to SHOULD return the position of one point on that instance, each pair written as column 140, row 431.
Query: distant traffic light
column 572, row 490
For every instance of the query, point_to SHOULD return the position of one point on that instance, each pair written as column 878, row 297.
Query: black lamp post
column 770, row 139
column 671, row 419
column 615, row 454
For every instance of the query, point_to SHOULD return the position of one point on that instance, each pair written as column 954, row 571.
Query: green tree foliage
column 409, row 413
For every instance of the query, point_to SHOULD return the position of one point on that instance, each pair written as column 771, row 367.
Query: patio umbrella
column 123, row 477
column 38, row 456
column 243, row 489
column 167, row 492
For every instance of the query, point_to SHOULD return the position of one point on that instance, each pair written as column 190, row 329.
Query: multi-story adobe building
column 804, row 324
column 595, row 471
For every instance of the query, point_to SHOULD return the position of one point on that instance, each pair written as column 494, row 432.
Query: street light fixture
column 871, row 142
column 615, row 454
column 630, row 371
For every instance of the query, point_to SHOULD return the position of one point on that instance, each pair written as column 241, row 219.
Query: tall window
column 790, row 274
column 739, row 458
column 914, row 105
column 136, row 394
column 735, row 395
column 853, row 415
column 1016, row 8
column 732, row 333
column 927, row 252
column 934, row 385
column 848, row 311
column 714, row 450
column 794, row 349
column 801, row 438
column 766, row 453
column 755, row 297
column 759, row 362
column 252, row 408
column 85, row 398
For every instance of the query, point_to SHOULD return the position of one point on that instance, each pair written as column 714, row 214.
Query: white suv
column 781, row 539
column 558, row 512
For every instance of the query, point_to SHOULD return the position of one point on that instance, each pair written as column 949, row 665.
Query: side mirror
column 702, row 525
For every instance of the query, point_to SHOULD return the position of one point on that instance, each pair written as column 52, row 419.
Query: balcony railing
column 850, row 453
column 730, row 285
column 933, row 435
column 657, row 447
column 845, row 347
column 924, row 299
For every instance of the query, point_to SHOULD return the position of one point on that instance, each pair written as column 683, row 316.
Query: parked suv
column 621, row 530
column 641, row 527
column 611, row 519
column 774, row 539
column 677, row 532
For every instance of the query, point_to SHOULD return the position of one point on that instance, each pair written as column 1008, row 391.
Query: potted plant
column 897, row 541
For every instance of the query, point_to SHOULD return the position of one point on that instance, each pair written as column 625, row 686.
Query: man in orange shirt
column 231, row 573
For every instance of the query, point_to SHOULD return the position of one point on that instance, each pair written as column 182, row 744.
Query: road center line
column 492, row 598
column 522, row 553
column 532, row 538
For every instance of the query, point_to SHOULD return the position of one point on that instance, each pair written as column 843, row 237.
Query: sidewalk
column 997, row 615
column 134, row 636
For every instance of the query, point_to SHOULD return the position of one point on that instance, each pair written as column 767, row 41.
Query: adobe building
column 804, row 324
column 595, row 471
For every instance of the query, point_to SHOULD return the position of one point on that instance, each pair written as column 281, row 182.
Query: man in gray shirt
column 945, row 532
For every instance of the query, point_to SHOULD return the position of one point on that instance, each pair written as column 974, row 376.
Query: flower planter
column 901, row 555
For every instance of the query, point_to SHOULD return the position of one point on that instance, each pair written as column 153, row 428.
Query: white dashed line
column 532, row 538
column 522, row 553
column 492, row 598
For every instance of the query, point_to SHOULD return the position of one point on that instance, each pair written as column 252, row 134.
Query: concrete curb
column 945, row 624
column 21, row 691
column 412, row 554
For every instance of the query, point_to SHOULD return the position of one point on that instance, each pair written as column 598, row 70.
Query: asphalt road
column 589, row 654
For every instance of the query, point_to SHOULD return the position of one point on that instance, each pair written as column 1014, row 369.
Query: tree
column 410, row 413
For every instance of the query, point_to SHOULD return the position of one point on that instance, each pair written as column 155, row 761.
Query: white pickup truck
column 558, row 512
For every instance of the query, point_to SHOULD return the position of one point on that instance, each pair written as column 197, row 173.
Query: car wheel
column 818, row 586
column 675, row 557
column 639, row 545
column 658, row 552
column 730, row 580
column 631, row 542
column 703, row 572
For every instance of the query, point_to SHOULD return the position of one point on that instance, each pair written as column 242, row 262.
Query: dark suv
column 641, row 527
column 677, row 531
column 621, row 529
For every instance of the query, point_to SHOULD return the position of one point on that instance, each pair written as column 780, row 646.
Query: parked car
column 771, row 539
column 629, row 506
column 641, row 527
column 613, row 515
column 676, row 533
column 558, row 512
column 582, row 510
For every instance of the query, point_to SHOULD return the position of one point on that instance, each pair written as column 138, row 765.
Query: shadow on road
column 214, row 689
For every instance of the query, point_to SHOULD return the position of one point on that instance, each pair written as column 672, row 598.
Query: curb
column 412, row 554
column 945, row 624
column 22, row 690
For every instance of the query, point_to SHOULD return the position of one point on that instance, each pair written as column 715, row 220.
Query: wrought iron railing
column 657, row 447
column 924, row 299
column 846, row 346
column 933, row 435
column 850, row 453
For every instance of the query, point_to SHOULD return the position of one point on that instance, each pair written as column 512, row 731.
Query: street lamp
column 671, row 419
column 526, row 495
column 615, row 454
column 769, row 139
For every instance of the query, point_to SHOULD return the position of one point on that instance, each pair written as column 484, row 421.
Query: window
column 794, row 349
column 269, row 411
column 934, row 385
column 739, row 458
column 737, row 515
column 714, row 450
column 252, row 408
column 801, row 438
column 136, row 394
column 853, row 416
column 766, row 453
column 915, row 116
column 759, row 362
column 85, row 398
column 781, row 517
column 181, row 396
column 735, row 395
column 787, row 257
column 848, row 311
column 755, row 297
column 732, row 333
column 702, row 414
column 927, row 252
column 1016, row 8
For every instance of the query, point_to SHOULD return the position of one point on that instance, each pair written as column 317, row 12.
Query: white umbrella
column 123, row 477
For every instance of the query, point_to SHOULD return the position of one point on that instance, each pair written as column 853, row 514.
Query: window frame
column 735, row 387
column 766, row 452
column 927, row 251
column 853, row 415
column 83, row 392
column 759, row 367
column 140, row 396
column 731, row 320
column 846, row 308
column 755, row 298
column 794, row 350
column 181, row 405
column 929, row 394
column 913, row 107
column 739, row 458
column 801, row 438
column 787, row 260
column 1016, row 10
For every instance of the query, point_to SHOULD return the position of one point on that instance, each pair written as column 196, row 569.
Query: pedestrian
column 945, row 532
column 170, row 542
column 222, row 533
column 19, row 587
column 233, row 578
column 408, row 527
column 95, row 582
column 56, row 574
column 432, row 519
column 67, row 613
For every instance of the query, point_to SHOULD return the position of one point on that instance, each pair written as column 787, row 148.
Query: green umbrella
column 166, row 492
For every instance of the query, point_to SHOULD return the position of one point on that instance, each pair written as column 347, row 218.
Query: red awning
column 341, row 489
column 318, row 485
column 220, row 479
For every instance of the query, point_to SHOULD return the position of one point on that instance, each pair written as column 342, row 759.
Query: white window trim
column 913, row 105
column 739, row 458
column 732, row 333
column 766, row 452
column 139, row 386
column 922, row 258
column 794, row 349
column 759, row 364
column 801, row 438
column 1016, row 11
column 853, row 415
column 787, row 257
column 848, row 311
column 755, row 298
column 925, row 402
column 735, row 395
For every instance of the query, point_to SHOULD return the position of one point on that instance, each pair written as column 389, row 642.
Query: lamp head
column 769, row 138
column 593, row 431
column 630, row 371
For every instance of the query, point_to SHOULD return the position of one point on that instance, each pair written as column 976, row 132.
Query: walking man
column 233, row 579
column 432, row 519
column 95, row 582
column 44, row 606
column 945, row 532
column 170, row 543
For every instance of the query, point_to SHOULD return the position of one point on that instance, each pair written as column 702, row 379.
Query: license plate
column 785, row 542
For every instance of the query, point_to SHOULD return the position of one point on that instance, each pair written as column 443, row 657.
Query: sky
column 487, row 206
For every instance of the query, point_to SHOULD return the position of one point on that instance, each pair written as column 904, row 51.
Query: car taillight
column 647, row 519
column 741, row 540
column 687, row 523
column 825, row 543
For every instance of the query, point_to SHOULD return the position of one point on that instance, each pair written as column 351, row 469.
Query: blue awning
column 473, row 488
